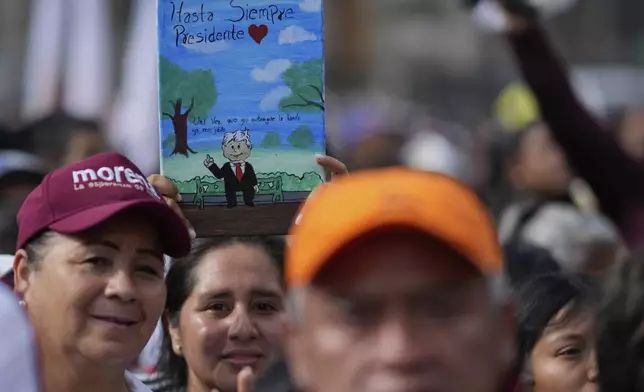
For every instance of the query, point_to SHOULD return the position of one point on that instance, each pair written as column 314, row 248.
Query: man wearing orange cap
column 396, row 284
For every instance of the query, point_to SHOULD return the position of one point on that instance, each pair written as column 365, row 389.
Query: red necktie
column 238, row 171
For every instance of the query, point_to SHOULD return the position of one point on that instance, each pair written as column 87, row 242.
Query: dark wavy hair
column 620, row 328
column 181, row 280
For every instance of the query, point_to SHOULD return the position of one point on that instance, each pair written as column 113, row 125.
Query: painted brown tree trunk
column 180, row 124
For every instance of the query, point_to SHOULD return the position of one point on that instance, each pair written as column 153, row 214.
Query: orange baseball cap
column 352, row 206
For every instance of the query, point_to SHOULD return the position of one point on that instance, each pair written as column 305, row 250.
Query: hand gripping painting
column 241, row 103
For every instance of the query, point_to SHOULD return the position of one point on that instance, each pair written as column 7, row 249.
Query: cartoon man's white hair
column 237, row 136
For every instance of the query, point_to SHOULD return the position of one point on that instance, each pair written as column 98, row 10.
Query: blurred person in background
column 556, row 341
column 20, row 173
column 406, row 293
column 224, row 311
column 537, row 173
column 379, row 149
column 614, row 176
column 627, row 124
column 579, row 241
column 550, row 210
column 6, row 269
column 8, row 225
column 60, row 139
column 524, row 262
column 536, row 165
column 89, row 270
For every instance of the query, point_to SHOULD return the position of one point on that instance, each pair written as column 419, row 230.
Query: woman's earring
column 22, row 303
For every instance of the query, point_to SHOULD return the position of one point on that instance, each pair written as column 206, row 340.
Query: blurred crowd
column 501, row 254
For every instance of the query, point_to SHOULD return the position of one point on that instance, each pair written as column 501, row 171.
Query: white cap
column 6, row 264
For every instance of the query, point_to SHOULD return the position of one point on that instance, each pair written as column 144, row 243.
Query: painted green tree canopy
column 305, row 81
column 178, row 87
column 179, row 84
column 302, row 137
column 272, row 139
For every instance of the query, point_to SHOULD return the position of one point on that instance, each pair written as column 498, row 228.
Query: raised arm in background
column 615, row 178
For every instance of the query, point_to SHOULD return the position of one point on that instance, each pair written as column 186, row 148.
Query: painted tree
column 178, row 86
column 272, row 139
column 169, row 141
column 301, row 138
column 305, row 81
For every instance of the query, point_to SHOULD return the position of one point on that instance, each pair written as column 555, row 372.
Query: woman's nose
column 120, row 285
column 593, row 372
column 242, row 327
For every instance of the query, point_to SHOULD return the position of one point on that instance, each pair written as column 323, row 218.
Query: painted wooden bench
column 267, row 186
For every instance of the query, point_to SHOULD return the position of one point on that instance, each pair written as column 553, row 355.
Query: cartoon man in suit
column 238, row 174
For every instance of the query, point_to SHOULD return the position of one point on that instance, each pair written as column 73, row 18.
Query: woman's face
column 541, row 165
column 233, row 317
column 563, row 360
column 96, row 296
column 631, row 134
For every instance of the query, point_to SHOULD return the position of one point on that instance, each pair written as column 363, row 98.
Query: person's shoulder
column 135, row 384
column 510, row 218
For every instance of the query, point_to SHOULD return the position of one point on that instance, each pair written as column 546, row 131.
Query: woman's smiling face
column 233, row 317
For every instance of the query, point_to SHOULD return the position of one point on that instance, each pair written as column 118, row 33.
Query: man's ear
column 295, row 353
column 22, row 273
column 175, row 335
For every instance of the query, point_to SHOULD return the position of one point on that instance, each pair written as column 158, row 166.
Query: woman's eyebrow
column 566, row 336
column 112, row 245
column 222, row 294
column 263, row 292
column 152, row 252
column 108, row 244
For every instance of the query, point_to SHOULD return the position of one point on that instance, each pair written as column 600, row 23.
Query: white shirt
column 18, row 359
column 135, row 384
column 242, row 164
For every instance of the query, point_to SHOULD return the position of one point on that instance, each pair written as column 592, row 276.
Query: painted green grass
column 298, row 169
column 290, row 182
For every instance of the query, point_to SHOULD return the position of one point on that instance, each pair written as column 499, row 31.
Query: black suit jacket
column 248, row 181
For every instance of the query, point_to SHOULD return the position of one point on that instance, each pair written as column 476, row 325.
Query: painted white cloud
column 271, row 72
column 295, row 34
column 272, row 99
column 311, row 5
column 209, row 48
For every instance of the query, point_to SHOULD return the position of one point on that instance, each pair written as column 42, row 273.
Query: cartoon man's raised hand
column 209, row 161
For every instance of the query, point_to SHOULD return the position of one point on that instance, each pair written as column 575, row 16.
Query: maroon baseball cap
column 82, row 195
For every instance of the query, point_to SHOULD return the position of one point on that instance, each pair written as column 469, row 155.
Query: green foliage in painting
column 169, row 141
column 271, row 140
column 179, row 85
column 301, row 138
column 290, row 182
column 305, row 81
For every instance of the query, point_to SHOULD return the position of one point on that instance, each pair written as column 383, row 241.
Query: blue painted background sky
column 247, row 75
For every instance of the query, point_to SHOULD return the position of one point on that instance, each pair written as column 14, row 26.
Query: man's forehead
column 404, row 290
column 407, row 256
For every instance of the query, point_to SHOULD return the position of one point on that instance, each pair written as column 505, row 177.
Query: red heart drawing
column 258, row 32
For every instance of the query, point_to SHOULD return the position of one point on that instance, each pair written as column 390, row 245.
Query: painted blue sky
column 247, row 75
